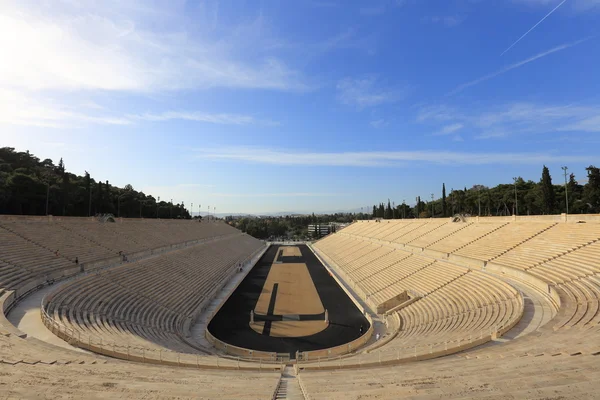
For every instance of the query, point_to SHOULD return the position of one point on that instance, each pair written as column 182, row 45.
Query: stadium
column 302, row 200
column 490, row 307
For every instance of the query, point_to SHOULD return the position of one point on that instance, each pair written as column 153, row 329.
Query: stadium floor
column 232, row 323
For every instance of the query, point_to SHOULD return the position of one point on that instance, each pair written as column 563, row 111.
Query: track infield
column 288, row 291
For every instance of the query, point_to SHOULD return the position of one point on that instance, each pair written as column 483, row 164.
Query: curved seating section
column 467, row 235
column 90, row 240
column 559, row 360
column 565, row 255
column 438, row 234
column 456, row 303
column 145, row 304
column 22, row 261
column 551, row 243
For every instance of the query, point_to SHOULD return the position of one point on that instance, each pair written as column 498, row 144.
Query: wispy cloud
column 448, row 129
column 20, row 109
column 63, row 46
column 366, row 92
column 511, row 119
column 290, row 194
column 519, row 64
column 379, row 158
column 222, row 119
column 533, row 27
column 195, row 185
column 24, row 109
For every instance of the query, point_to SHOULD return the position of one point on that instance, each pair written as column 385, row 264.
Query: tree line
column 520, row 197
column 292, row 226
column 30, row 186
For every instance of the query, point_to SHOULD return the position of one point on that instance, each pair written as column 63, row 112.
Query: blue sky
column 316, row 105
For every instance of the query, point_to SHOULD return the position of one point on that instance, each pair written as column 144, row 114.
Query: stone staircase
column 289, row 387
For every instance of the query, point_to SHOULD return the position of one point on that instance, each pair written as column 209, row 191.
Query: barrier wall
column 338, row 350
column 392, row 303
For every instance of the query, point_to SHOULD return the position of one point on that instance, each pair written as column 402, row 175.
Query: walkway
column 26, row 317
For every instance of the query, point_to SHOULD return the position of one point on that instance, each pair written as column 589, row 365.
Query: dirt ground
column 296, row 292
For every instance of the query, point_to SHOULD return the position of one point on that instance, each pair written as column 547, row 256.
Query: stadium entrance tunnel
column 288, row 303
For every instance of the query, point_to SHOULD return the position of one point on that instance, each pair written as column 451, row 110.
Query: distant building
column 319, row 230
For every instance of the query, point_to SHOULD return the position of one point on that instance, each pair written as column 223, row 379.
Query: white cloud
column 514, row 119
column 519, row 64
column 70, row 46
column 378, row 158
column 222, row 119
column 19, row 109
column 23, row 109
column 366, row 92
column 591, row 124
column 291, row 194
column 448, row 129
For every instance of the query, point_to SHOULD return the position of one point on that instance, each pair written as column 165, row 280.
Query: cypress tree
column 100, row 199
column 444, row 200
column 547, row 191
column 88, row 191
column 591, row 191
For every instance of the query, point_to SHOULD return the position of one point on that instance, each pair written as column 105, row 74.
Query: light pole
column 566, row 194
column 393, row 210
column 199, row 208
column 157, row 203
column 516, row 200
column 208, row 216
column 192, row 210
column 171, row 209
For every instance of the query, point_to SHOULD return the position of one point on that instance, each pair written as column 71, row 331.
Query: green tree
column 444, row 211
column 548, row 195
column 388, row 211
column 591, row 191
column 88, row 192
